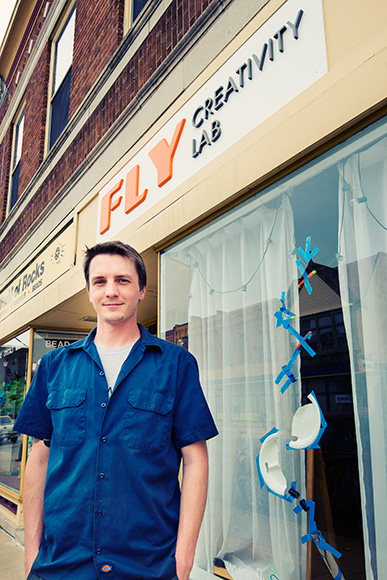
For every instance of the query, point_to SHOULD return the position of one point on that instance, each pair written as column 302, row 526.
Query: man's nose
column 111, row 288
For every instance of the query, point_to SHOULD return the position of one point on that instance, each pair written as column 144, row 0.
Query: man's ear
column 142, row 293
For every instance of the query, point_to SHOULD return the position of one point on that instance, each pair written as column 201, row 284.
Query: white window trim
column 128, row 15
column 20, row 113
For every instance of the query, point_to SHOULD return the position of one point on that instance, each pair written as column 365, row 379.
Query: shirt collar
column 145, row 340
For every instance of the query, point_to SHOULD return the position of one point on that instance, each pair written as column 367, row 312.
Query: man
column 111, row 416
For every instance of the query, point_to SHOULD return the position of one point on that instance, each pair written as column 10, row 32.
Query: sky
column 6, row 8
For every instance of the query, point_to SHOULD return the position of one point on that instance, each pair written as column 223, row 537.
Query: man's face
column 114, row 289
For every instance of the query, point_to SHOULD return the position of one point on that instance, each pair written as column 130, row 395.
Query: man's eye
column 123, row 280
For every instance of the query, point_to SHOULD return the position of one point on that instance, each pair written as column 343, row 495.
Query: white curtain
column 240, row 266
column 363, row 276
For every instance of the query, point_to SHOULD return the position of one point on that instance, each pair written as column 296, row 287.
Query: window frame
column 16, row 155
column 128, row 15
column 56, row 37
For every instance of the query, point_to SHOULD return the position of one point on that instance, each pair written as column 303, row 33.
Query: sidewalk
column 11, row 558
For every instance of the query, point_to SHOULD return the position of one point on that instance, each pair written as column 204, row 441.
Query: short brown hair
column 121, row 249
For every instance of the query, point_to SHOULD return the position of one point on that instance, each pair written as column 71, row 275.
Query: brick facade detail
column 35, row 120
column 23, row 54
column 98, row 32
column 170, row 29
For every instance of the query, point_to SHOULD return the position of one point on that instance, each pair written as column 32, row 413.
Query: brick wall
column 98, row 32
column 171, row 28
column 32, row 32
column 35, row 120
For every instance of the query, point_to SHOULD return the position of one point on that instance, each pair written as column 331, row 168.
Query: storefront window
column 14, row 365
column 220, row 291
column 47, row 340
column 13, row 369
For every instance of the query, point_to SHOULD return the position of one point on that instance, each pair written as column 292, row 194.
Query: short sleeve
column 34, row 417
column 192, row 419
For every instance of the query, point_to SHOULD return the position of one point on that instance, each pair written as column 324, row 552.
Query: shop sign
column 282, row 58
column 8, row 351
column 47, row 266
column 55, row 343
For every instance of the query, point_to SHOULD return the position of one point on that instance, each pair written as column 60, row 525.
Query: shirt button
column 98, row 552
column 102, row 374
column 99, row 513
column 103, row 439
column 103, row 405
column 101, row 475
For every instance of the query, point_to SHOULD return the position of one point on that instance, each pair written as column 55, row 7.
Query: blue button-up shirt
column 111, row 503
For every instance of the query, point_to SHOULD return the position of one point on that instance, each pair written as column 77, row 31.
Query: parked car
column 6, row 430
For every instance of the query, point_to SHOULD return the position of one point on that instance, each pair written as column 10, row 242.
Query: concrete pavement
column 11, row 558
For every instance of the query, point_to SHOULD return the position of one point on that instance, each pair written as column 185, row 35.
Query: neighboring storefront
column 258, row 202
column 19, row 358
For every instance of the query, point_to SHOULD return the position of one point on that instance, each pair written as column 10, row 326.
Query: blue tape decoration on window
column 286, row 370
column 316, row 426
column 307, row 255
column 313, row 533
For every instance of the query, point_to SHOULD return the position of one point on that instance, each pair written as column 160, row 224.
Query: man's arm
column 34, row 482
column 193, row 501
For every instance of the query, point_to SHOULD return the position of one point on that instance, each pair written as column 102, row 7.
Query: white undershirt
column 112, row 361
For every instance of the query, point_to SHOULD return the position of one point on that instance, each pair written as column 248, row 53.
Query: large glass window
column 13, row 381
column 47, row 340
column 239, row 293
column 13, row 377
column 61, row 79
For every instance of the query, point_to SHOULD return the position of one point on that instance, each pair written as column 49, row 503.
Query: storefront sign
column 47, row 266
column 57, row 343
column 284, row 57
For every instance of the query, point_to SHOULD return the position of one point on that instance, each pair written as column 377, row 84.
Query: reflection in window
column 13, row 375
column 48, row 340
column 222, row 285
column 13, row 378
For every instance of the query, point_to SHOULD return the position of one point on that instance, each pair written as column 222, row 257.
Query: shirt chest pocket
column 68, row 413
column 148, row 421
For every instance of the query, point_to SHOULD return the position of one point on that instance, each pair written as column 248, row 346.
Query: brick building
column 240, row 147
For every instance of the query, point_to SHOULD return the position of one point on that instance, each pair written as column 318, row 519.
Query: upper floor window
column 132, row 10
column 137, row 6
column 18, row 128
column 61, row 78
